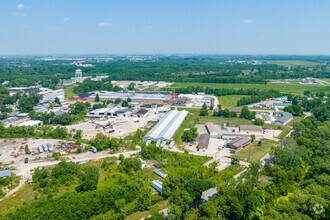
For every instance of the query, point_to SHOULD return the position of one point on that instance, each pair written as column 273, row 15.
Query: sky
column 164, row 27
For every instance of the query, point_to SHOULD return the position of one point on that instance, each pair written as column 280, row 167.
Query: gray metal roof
column 282, row 117
column 204, row 141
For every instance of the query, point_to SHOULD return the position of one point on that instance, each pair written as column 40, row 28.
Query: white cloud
column 21, row 6
column 20, row 13
column 67, row 19
column 248, row 21
column 105, row 24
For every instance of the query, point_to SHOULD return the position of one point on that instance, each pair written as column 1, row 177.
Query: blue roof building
column 5, row 173
column 157, row 185
column 159, row 173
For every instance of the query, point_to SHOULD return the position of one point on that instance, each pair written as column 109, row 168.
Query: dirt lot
column 122, row 126
column 12, row 150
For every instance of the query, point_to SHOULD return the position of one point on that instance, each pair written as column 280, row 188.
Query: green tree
column 189, row 134
column 97, row 98
column 57, row 101
column 203, row 111
column 89, row 177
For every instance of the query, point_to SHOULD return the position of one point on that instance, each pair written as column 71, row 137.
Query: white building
column 167, row 126
column 32, row 123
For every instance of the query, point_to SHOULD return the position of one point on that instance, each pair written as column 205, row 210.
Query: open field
column 230, row 101
column 296, row 89
column 253, row 152
column 285, row 132
column 294, row 63
column 153, row 209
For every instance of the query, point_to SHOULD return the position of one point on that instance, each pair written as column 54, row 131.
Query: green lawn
column 285, row 132
column 289, row 88
column 294, row 63
column 230, row 101
column 226, row 174
column 253, row 152
column 68, row 91
column 152, row 210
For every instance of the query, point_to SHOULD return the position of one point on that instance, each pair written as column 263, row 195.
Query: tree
column 57, row 101
column 212, row 104
column 78, row 134
column 89, row 177
column 247, row 114
column 203, row 111
column 97, row 98
column 131, row 86
column 253, row 138
column 189, row 134
column 117, row 101
column 295, row 110
column 259, row 121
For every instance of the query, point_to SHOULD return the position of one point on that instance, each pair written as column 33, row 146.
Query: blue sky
column 165, row 26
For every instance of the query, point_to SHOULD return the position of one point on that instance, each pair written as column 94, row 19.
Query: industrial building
column 167, row 126
column 109, row 112
column 282, row 118
column 141, row 113
column 157, row 185
column 250, row 128
column 145, row 97
column 50, row 95
column 239, row 142
column 32, row 123
column 211, row 129
column 203, row 141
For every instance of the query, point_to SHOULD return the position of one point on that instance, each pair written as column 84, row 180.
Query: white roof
column 167, row 126
column 30, row 123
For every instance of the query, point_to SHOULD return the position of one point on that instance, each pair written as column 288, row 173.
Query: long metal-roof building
column 167, row 126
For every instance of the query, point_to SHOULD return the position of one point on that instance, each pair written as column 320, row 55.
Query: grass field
column 152, row 210
column 230, row 101
column 253, row 152
column 289, row 88
column 285, row 132
column 293, row 63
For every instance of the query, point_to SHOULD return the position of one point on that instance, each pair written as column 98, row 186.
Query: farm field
column 289, row 88
column 293, row 63
column 230, row 101
column 253, row 152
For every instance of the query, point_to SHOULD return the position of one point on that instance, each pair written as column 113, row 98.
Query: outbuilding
column 204, row 141
column 211, row 129
column 239, row 142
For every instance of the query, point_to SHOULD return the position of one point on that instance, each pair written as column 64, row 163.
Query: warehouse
column 146, row 97
column 250, row 128
column 203, row 141
column 211, row 129
column 98, row 113
column 167, row 126
column 239, row 142
column 32, row 123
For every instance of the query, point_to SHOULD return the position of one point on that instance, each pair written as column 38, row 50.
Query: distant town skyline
column 35, row 27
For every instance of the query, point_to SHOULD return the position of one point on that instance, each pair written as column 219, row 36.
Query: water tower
column 78, row 76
